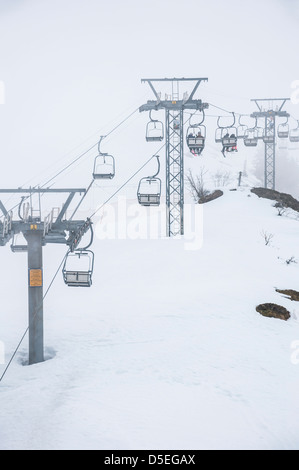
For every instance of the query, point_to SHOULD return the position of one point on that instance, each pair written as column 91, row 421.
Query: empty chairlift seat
column 251, row 137
column 154, row 131
column 283, row 130
column 241, row 129
column 294, row 135
column 104, row 167
column 78, row 268
column 104, row 164
column 218, row 135
column 149, row 188
column 149, row 191
column 19, row 244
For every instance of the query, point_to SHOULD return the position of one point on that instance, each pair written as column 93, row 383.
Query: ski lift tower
column 269, row 113
column 174, row 106
column 37, row 233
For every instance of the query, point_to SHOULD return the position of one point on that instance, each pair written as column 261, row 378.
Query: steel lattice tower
column 174, row 173
column 269, row 136
column 174, row 118
column 269, row 175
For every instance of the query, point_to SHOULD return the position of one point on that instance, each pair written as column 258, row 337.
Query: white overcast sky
column 72, row 70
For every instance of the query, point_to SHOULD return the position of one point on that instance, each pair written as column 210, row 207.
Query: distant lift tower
column 267, row 111
column 174, row 106
column 37, row 233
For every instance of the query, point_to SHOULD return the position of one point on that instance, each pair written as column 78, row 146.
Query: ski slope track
column 166, row 349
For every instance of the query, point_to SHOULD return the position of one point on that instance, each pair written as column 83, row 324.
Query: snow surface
column 166, row 349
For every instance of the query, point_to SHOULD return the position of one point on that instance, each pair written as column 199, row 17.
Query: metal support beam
column 269, row 114
column 174, row 173
column 270, row 152
column 35, row 296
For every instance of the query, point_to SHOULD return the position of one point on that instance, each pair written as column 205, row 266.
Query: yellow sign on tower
column 35, row 278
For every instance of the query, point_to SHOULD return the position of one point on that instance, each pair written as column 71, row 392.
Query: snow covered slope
column 165, row 350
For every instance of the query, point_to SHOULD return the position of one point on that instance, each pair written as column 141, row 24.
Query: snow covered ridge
column 166, row 349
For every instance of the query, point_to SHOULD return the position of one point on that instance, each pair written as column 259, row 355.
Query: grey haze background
column 72, row 71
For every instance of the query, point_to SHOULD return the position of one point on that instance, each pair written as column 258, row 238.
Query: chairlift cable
column 226, row 111
column 128, row 180
column 90, row 148
column 76, row 159
column 81, row 200
column 92, row 215
column 124, row 184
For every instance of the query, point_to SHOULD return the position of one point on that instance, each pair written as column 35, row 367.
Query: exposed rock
column 283, row 199
column 290, row 293
column 211, row 196
column 273, row 311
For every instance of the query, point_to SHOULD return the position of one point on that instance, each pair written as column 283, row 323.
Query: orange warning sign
column 35, row 278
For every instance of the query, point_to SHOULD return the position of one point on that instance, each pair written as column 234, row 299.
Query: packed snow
column 166, row 349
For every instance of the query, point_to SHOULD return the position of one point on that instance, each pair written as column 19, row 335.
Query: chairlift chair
column 241, row 129
column 251, row 137
column 227, row 135
column 78, row 268
column 104, row 165
column 149, row 189
column 294, row 134
column 283, row 130
column 229, row 139
column 18, row 247
column 218, row 135
column 196, row 136
column 154, row 130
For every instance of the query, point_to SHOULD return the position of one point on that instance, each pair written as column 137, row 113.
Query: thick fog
column 71, row 70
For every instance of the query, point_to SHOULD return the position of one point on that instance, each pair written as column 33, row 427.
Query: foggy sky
column 72, row 70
